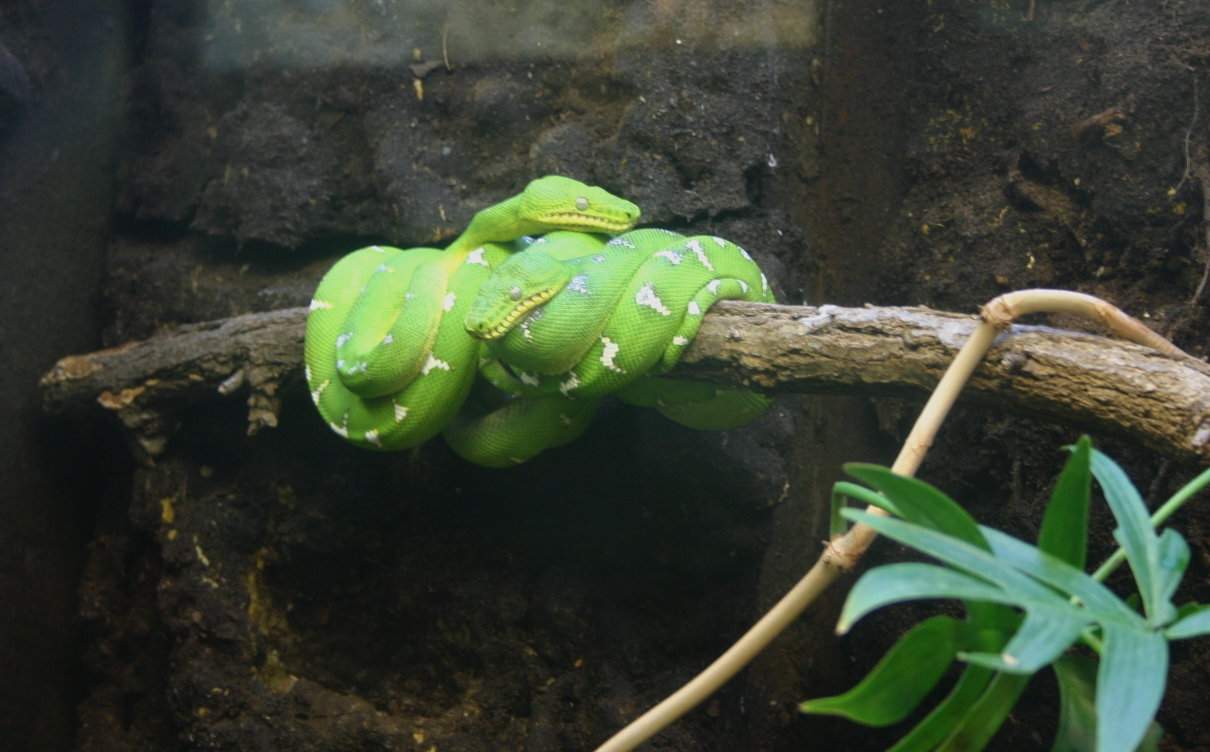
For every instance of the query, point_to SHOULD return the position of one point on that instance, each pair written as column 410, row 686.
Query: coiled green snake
column 395, row 338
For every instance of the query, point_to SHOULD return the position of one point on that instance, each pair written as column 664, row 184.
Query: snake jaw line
column 589, row 222
column 510, row 319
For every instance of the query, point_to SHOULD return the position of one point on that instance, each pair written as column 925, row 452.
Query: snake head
column 516, row 287
column 558, row 203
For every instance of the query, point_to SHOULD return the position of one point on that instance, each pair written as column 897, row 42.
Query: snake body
column 388, row 360
column 554, row 323
column 572, row 318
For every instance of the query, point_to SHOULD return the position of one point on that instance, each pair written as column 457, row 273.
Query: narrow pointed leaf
column 975, row 561
column 922, row 504
column 908, row 672
column 987, row 715
column 919, row 503
column 908, row 581
column 1043, row 636
column 1098, row 599
column 948, row 713
column 1077, row 704
column 1135, row 535
column 1173, row 560
column 842, row 490
column 1193, row 624
column 1130, row 684
column 1064, row 532
column 1077, row 708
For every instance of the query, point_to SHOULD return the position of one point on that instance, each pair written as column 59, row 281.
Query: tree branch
column 1163, row 401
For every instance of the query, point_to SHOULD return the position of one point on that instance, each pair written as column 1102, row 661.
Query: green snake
column 396, row 337
column 388, row 359
column 573, row 318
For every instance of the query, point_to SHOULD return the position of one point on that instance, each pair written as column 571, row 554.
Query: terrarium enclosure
column 173, row 580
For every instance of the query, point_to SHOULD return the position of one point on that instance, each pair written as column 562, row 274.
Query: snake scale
column 553, row 324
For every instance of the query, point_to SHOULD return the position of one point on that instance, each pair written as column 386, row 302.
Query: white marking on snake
column 320, row 305
column 340, row 364
column 307, row 373
column 696, row 247
column 372, row 437
column 390, row 338
column 528, row 378
column 409, row 295
column 764, row 282
column 448, row 303
column 383, row 268
column 342, row 429
column 343, row 339
column 579, row 283
column 401, row 412
column 673, row 257
column 361, row 367
column 622, row 242
column 713, row 286
column 680, row 341
column 610, row 352
column 570, row 383
column 599, row 258
column 694, row 308
column 378, row 249
column 745, row 254
column 743, row 286
column 434, row 363
column 319, row 391
column 720, row 242
column 529, row 321
column 646, row 297
column 476, row 257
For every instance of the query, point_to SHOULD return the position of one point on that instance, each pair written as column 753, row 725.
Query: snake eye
column 582, row 203
column 515, row 293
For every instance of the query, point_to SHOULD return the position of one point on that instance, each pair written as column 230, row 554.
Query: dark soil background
column 167, row 162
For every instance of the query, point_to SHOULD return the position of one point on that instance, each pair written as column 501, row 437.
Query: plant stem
column 1166, row 510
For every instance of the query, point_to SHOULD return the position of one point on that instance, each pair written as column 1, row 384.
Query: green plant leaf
column 902, row 678
column 1064, row 532
column 924, row 505
column 919, row 503
column 1052, row 623
column 842, row 490
column 1077, row 704
column 948, row 713
column 976, row 561
column 1043, row 636
column 977, row 728
column 1077, row 708
column 1173, row 560
column 909, row 581
column 1194, row 622
column 1097, row 598
column 1130, row 684
column 1136, row 537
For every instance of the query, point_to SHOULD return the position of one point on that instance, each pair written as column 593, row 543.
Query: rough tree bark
column 1082, row 378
